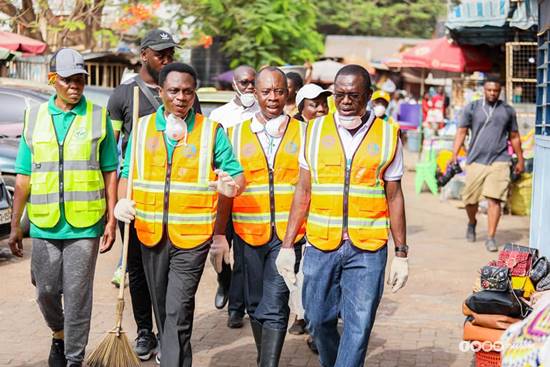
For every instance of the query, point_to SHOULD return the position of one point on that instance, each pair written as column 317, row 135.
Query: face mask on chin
column 348, row 122
column 379, row 110
column 274, row 126
column 247, row 99
column 176, row 128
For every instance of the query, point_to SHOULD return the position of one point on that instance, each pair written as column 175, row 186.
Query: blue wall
column 540, row 211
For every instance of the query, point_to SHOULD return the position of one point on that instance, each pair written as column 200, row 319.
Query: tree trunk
column 24, row 18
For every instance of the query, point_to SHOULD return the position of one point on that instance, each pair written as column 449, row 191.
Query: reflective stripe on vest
column 175, row 197
column 348, row 197
column 265, row 204
column 67, row 173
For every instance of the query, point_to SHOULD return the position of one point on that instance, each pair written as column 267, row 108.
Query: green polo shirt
column 224, row 158
column 108, row 161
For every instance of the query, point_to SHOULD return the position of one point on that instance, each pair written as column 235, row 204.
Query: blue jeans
column 348, row 281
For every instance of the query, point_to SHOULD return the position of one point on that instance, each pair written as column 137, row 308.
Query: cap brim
column 162, row 46
column 70, row 72
column 314, row 95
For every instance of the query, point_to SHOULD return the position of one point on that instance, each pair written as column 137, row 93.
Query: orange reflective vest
column 175, row 196
column 348, row 195
column 262, row 210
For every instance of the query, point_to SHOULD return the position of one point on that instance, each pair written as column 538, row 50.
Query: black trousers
column 173, row 276
column 233, row 280
column 139, row 293
column 266, row 294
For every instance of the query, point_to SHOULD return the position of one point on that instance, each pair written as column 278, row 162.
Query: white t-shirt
column 351, row 143
column 231, row 114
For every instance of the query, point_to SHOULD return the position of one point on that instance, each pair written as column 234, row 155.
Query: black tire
column 9, row 180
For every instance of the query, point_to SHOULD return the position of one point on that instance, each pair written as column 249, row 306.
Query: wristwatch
column 402, row 248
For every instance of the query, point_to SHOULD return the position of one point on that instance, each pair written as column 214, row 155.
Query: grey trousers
column 173, row 277
column 66, row 267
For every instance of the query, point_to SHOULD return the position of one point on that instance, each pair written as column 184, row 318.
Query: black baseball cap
column 158, row 40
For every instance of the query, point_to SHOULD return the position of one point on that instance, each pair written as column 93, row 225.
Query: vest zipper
column 272, row 180
column 61, row 193
column 167, row 186
column 60, row 152
column 346, row 196
column 348, row 174
column 272, row 199
column 166, row 194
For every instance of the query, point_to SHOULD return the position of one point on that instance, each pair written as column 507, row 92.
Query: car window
column 16, row 111
column 99, row 97
column 208, row 107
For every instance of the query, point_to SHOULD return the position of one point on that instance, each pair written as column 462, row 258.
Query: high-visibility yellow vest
column 175, row 197
column 262, row 210
column 69, row 173
column 348, row 195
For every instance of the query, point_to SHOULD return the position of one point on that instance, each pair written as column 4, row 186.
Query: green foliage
column 107, row 35
column 390, row 18
column 260, row 32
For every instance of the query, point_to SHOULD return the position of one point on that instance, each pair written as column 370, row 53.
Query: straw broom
column 115, row 350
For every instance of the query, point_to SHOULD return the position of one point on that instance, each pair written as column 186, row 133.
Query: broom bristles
column 114, row 351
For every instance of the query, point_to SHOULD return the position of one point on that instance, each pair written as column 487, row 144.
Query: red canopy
column 440, row 54
column 17, row 42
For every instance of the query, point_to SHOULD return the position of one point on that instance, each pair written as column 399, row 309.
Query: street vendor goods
column 494, row 278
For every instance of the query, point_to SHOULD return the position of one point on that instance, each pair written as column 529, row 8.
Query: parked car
column 5, row 210
column 11, row 127
column 18, row 100
column 211, row 99
column 98, row 95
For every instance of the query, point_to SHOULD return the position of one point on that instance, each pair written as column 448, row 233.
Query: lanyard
column 491, row 110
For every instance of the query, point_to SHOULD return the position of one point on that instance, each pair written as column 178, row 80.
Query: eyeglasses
column 353, row 96
column 246, row 82
column 276, row 91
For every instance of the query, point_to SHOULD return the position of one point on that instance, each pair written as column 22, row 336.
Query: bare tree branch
column 8, row 8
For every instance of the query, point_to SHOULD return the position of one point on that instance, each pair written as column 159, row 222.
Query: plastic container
column 413, row 141
column 488, row 359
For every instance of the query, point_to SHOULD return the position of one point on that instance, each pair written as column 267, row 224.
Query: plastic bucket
column 413, row 141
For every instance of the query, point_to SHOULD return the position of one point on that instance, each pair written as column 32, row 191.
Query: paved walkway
column 419, row 326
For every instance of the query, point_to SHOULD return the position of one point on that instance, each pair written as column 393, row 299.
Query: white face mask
column 379, row 110
column 275, row 127
column 247, row 99
column 348, row 122
column 176, row 128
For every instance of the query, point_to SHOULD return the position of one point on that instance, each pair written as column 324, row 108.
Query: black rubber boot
column 272, row 345
column 257, row 332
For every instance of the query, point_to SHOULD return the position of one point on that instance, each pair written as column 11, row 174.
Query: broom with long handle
column 115, row 350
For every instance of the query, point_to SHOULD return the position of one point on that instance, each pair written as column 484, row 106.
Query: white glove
column 399, row 273
column 285, row 266
column 225, row 184
column 219, row 252
column 125, row 210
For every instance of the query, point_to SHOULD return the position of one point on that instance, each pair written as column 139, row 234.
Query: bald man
column 243, row 106
column 267, row 145
column 230, row 282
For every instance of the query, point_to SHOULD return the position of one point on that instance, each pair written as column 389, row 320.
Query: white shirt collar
column 256, row 126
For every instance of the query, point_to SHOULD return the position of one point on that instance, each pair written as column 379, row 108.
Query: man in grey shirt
column 491, row 123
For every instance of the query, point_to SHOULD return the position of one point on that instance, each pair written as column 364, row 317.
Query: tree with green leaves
column 257, row 33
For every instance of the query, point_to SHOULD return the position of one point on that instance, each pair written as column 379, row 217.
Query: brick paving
column 419, row 326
